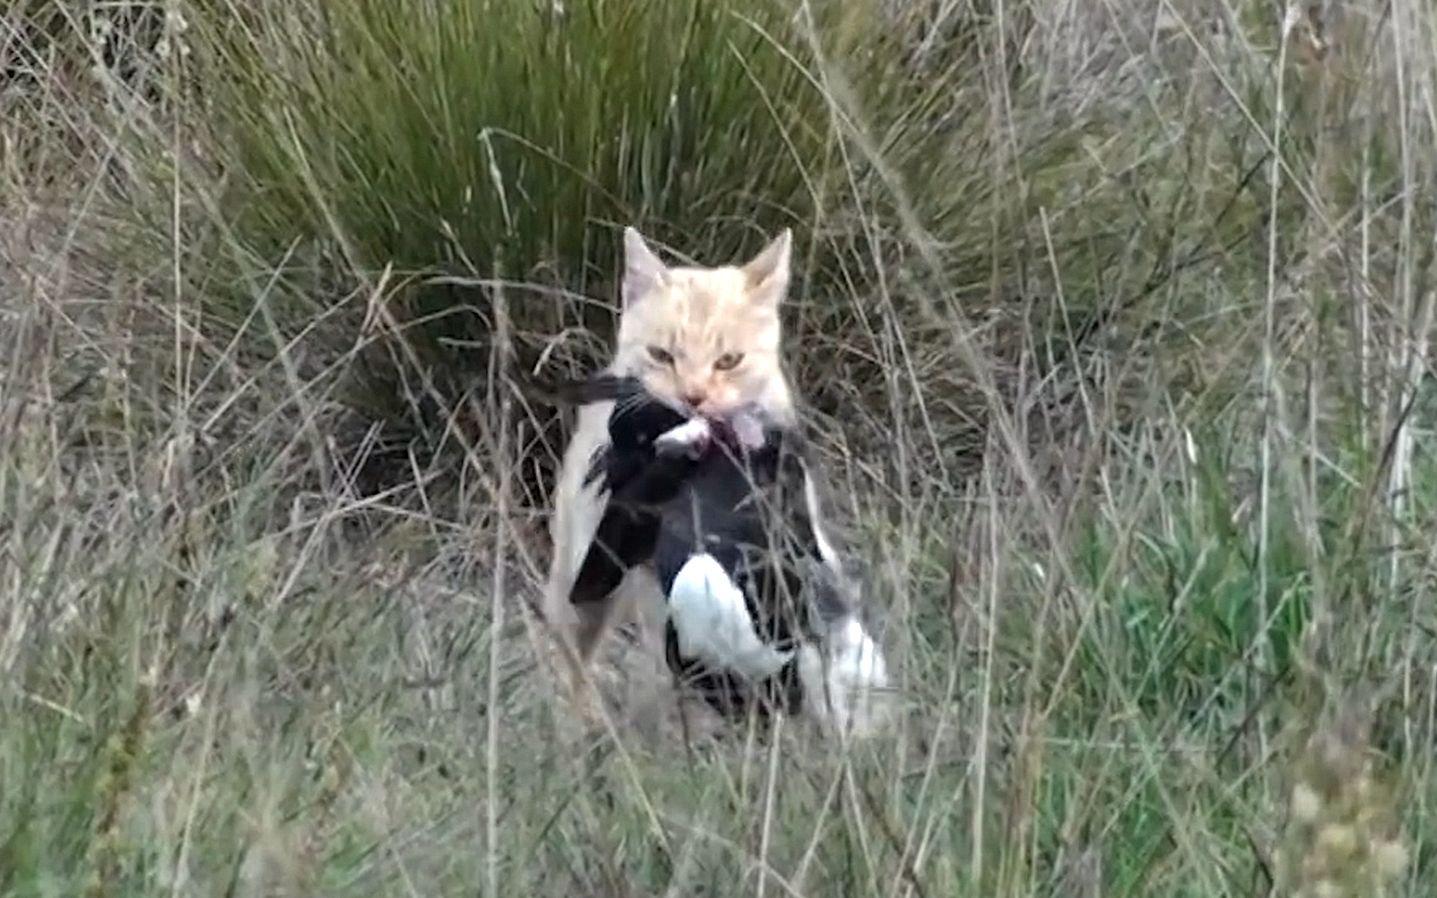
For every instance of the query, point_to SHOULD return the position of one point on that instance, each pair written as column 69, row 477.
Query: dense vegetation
column 1112, row 317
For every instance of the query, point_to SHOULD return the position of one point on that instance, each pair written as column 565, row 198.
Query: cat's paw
column 848, row 690
column 690, row 438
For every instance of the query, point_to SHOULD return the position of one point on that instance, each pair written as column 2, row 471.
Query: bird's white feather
column 713, row 624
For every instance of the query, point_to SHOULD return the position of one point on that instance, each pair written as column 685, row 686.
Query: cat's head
column 705, row 338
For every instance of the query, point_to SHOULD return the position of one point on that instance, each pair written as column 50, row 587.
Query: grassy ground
column 1113, row 319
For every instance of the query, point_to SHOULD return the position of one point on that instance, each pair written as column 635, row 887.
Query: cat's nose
column 694, row 399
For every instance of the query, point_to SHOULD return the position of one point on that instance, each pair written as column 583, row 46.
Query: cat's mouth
column 737, row 426
column 715, row 412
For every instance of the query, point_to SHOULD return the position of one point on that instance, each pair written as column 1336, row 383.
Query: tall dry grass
column 1113, row 320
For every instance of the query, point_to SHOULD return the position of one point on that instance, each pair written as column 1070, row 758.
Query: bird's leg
column 690, row 438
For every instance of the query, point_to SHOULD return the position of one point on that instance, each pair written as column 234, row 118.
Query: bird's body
column 720, row 510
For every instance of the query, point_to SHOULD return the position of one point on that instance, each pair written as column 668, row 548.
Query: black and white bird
column 759, row 611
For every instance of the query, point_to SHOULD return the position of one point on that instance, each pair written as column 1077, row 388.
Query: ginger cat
column 704, row 341
column 705, row 338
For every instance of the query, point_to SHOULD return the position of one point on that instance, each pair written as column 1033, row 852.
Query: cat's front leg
column 845, row 679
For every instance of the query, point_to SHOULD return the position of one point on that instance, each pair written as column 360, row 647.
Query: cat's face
column 704, row 338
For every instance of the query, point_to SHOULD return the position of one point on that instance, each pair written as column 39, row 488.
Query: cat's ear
column 644, row 272
column 767, row 272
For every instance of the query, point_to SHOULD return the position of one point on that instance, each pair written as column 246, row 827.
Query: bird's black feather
column 742, row 505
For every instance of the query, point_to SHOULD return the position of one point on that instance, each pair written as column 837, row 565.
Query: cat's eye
column 728, row 361
column 661, row 355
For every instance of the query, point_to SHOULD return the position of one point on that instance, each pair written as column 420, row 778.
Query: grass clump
column 505, row 143
column 388, row 149
column 450, row 136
